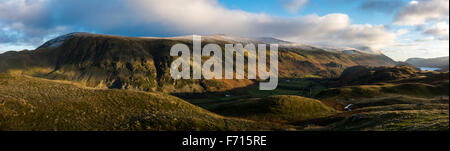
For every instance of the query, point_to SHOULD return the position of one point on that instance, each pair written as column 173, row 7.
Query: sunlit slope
column 36, row 104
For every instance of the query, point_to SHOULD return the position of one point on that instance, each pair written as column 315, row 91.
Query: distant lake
column 429, row 69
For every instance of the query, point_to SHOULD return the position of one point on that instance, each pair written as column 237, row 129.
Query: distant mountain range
column 441, row 62
column 143, row 63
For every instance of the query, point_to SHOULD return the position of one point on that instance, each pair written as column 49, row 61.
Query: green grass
column 36, row 104
column 304, row 86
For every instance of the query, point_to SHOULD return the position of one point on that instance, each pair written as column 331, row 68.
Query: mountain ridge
column 143, row 63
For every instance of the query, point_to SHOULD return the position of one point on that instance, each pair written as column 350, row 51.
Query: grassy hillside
column 406, row 115
column 35, row 104
column 367, row 91
column 279, row 108
column 408, row 120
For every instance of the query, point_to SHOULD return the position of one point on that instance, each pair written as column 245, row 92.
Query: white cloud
column 331, row 29
column 414, row 2
column 293, row 5
column 440, row 31
column 21, row 22
column 366, row 37
column 420, row 12
column 147, row 17
column 402, row 31
column 430, row 39
column 425, row 39
column 14, row 10
column 421, row 48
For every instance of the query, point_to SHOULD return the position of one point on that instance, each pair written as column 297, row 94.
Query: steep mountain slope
column 143, row 63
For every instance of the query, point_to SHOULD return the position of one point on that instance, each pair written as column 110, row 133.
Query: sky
column 400, row 29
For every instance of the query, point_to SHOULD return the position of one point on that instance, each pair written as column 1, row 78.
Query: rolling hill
column 28, row 103
column 278, row 108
